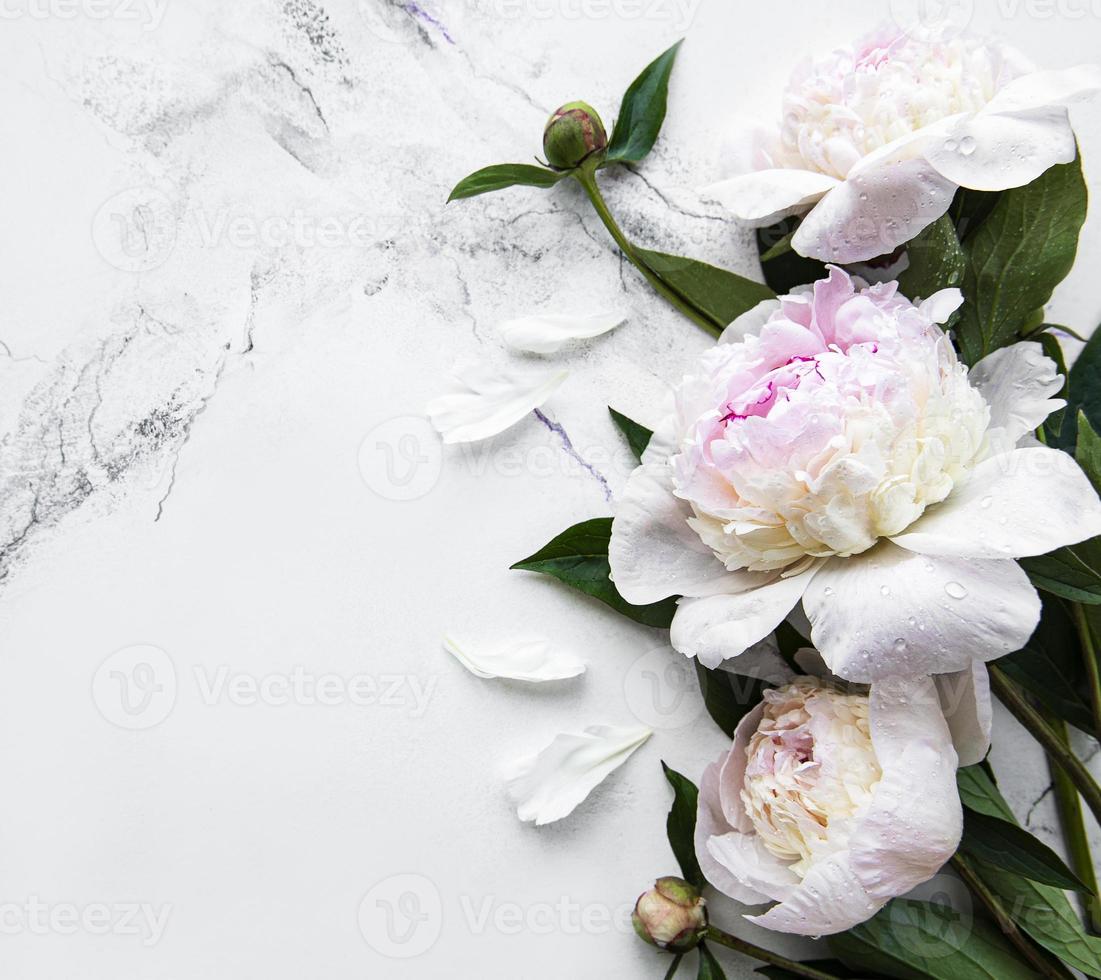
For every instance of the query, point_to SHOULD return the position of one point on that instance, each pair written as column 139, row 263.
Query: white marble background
column 226, row 264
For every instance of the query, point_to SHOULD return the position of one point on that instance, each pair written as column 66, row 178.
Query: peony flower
column 876, row 138
column 672, row 915
column 833, row 450
column 831, row 803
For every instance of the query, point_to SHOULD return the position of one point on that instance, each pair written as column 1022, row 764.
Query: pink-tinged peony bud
column 671, row 915
column 573, row 133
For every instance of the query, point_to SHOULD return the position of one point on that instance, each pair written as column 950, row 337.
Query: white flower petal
column 765, row 196
column 994, row 151
column 732, row 773
column 653, row 552
column 753, row 866
column 941, row 305
column 718, row 627
column 522, row 659
column 1026, row 502
column 874, row 211
column 890, row 611
column 549, row 785
column 965, row 701
column 1046, row 88
column 749, row 322
column 488, row 401
column 549, row 332
column 830, row 899
column 903, row 710
column 1018, row 383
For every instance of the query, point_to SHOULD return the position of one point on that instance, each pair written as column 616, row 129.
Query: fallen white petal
column 525, row 659
column 488, row 401
column 549, row 785
column 546, row 333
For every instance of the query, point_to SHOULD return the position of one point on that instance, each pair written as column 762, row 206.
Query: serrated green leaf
column 579, row 557
column 1073, row 573
column 728, row 697
column 917, row 940
column 642, row 110
column 503, row 175
column 722, row 295
column 710, row 968
column 1017, row 256
column 638, row 436
column 680, row 825
column 936, row 261
column 1011, row 848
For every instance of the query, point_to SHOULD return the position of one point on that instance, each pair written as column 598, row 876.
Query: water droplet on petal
column 955, row 590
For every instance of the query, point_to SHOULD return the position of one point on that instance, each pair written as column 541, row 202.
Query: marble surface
column 229, row 547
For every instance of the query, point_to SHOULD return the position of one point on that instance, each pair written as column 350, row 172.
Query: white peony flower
column 834, row 450
column 831, row 802
column 876, row 138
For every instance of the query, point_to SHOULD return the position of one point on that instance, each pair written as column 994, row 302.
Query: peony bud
column 671, row 916
column 573, row 133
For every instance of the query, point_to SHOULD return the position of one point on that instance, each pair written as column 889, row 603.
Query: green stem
column 1089, row 652
column 1010, row 695
column 586, row 177
column 1074, row 829
column 971, row 878
column 673, row 966
column 715, row 935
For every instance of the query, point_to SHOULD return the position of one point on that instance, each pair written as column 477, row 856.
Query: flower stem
column 766, row 956
column 1010, row 695
column 971, row 878
column 586, row 177
column 1089, row 654
column 673, row 966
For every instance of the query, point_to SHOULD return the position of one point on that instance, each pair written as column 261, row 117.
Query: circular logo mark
column 401, row 459
column 401, row 917
column 135, row 231
column 938, row 927
column 135, row 688
column 933, row 20
column 661, row 689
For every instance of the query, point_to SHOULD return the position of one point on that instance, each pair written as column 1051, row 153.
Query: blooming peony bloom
column 832, row 449
column 831, row 803
column 876, row 138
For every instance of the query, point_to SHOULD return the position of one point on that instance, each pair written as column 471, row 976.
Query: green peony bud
column 671, row 916
column 573, row 133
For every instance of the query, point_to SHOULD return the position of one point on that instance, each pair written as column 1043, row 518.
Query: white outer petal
column 965, row 701
column 653, row 552
column 1044, row 88
column 531, row 659
column 718, row 627
column 752, row 321
column 857, row 627
column 1018, row 383
column 765, row 196
column 753, row 865
column 489, row 401
column 1026, row 502
column 941, row 305
column 548, row 332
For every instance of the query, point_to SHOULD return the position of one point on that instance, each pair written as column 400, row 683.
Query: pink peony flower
column 876, row 138
column 833, row 450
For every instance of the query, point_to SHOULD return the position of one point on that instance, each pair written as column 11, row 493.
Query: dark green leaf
column 1083, row 392
column 680, row 826
column 917, row 940
column 579, row 557
column 936, row 261
column 642, row 110
column 1017, row 256
column 709, row 966
column 1073, row 573
column 728, row 697
column 785, row 269
column 789, row 641
column 970, row 209
column 1011, row 848
column 722, row 295
column 1054, row 422
column 503, row 175
column 979, row 792
column 638, row 436
column 1088, row 451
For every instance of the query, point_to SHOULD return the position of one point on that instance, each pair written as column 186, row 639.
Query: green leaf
column 970, row 209
column 642, row 110
column 710, row 969
column 722, row 295
column 579, row 557
column 979, row 792
column 1073, row 573
column 728, row 697
column 1011, row 848
column 1017, row 256
column 638, row 436
column 784, row 268
column 503, row 175
column 680, row 826
column 1051, row 667
column 936, row 261
column 917, row 940
column 1088, row 450
column 1083, row 392
column 1053, row 424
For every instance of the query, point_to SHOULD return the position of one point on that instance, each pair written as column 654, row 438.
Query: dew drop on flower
column 967, row 146
column 955, row 590
column 986, row 502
